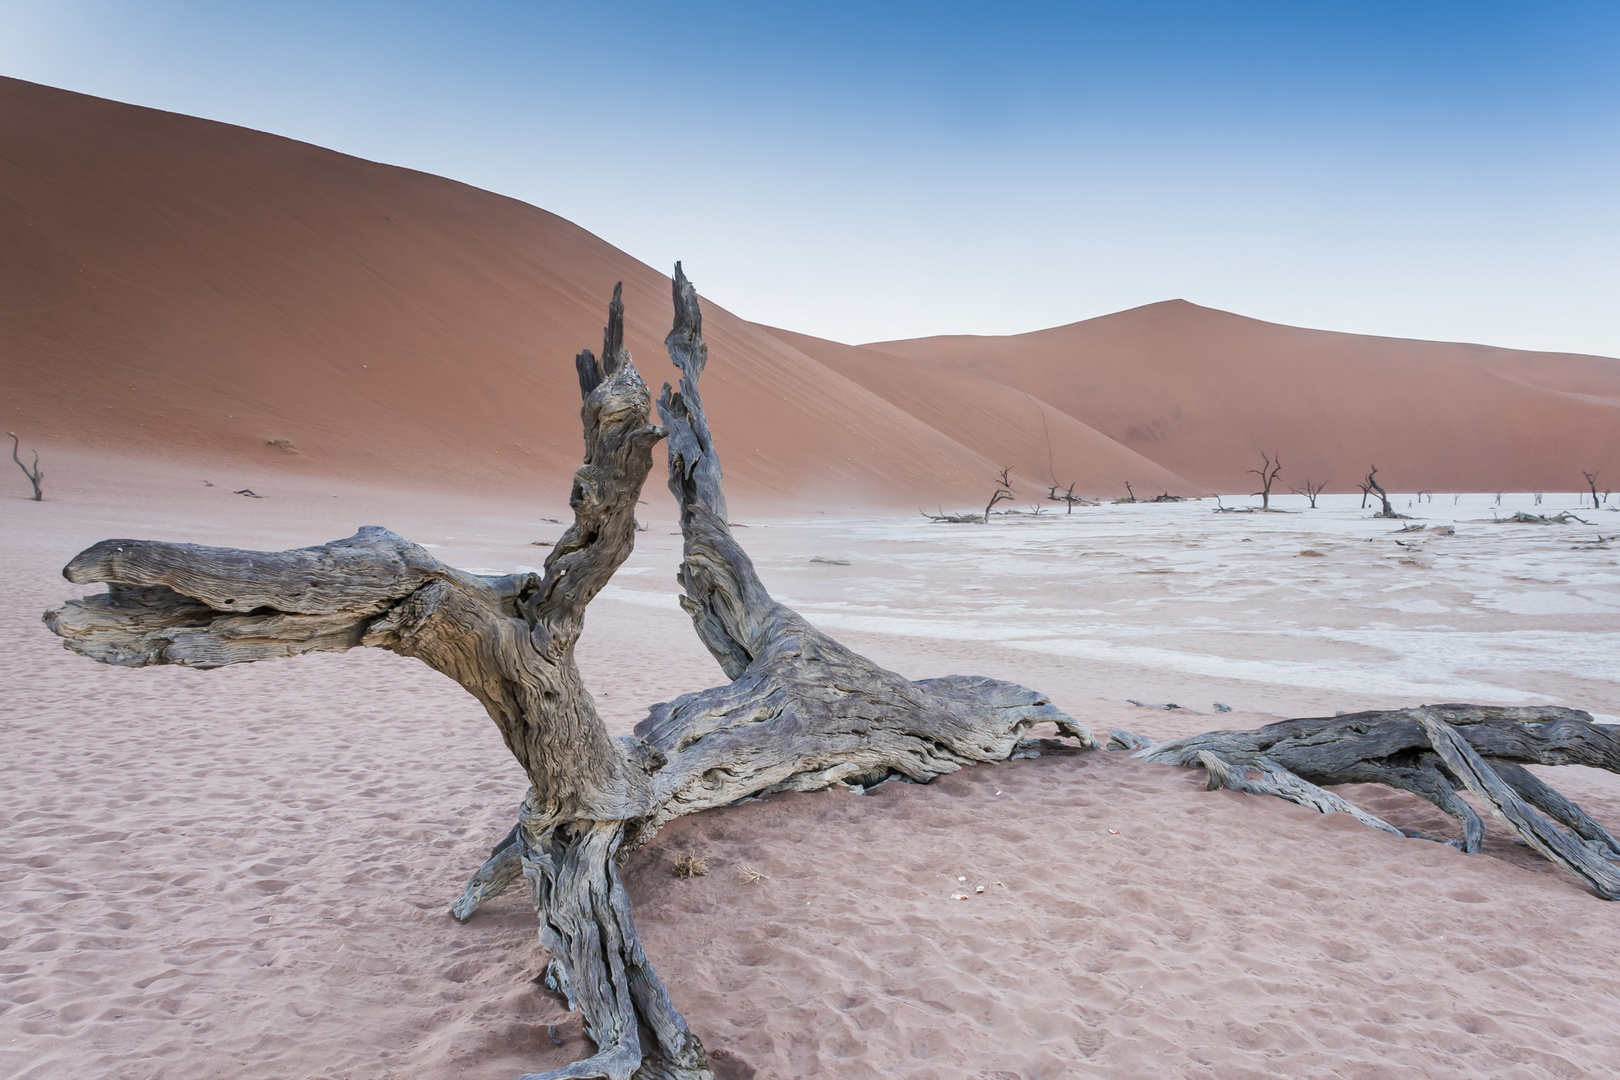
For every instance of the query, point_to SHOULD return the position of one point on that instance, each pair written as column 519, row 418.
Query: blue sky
column 867, row 171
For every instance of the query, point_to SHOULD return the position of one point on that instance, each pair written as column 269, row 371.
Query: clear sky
column 877, row 170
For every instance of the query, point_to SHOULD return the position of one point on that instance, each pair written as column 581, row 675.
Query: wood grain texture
column 799, row 710
column 1434, row 751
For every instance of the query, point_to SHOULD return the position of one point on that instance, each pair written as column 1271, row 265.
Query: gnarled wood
column 800, row 711
column 1435, row 752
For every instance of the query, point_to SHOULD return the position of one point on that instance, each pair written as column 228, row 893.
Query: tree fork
column 801, row 711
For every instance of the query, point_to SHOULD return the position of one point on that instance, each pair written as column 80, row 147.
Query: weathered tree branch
column 801, row 711
column 1435, row 752
column 36, row 475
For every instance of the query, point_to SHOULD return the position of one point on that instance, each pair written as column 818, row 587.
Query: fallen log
column 1433, row 751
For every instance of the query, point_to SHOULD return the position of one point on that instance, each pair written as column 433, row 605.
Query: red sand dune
column 1204, row 392
column 181, row 288
column 1003, row 423
column 177, row 288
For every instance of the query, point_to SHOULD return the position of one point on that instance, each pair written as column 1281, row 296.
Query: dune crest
column 181, row 289
column 1203, row 392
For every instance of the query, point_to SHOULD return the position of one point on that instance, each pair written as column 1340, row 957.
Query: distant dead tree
column 1521, row 517
column 35, row 475
column 1004, row 492
column 1068, row 497
column 1591, row 482
column 1373, row 486
column 1267, row 472
column 1311, row 491
column 1130, row 496
column 1365, row 492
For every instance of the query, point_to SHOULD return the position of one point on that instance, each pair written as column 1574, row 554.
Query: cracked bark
column 1434, row 751
column 800, row 712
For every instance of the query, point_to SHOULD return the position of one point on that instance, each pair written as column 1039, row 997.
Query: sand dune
column 179, row 289
column 1203, row 392
column 185, row 289
column 1043, row 445
column 245, row 872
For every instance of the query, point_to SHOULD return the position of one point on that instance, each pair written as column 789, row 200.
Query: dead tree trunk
column 1436, row 752
column 1312, row 490
column 1068, row 498
column 1267, row 472
column 1004, row 491
column 1591, row 482
column 35, row 475
column 1373, row 486
column 801, row 711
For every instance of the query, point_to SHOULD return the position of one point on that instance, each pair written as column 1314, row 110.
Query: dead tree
column 955, row 519
column 1068, row 498
column 1311, row 491
column 1591, row 482
column 1130, row 496
column 1373, row 486
column 1267, row 472
column 1004, row 492
column 1522, row 517
column 801, row 712
column 36, row 476
column 1437, row 752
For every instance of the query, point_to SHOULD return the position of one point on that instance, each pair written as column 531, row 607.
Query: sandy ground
column 245, row 872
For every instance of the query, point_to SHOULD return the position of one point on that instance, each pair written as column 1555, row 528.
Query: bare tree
column 1311, row 491
column 1373, row 486
column 801, row 712
column 1069, row 498
column 1003, row 493
column 1366, row 492
column 1591, row 482
column 1130, row 496
column 1267, row 472
column 36, row 476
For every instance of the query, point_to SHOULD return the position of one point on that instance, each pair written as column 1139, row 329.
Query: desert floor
column 245, row 872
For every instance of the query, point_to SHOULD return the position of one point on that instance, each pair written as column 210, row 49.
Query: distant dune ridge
column 178, row 288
